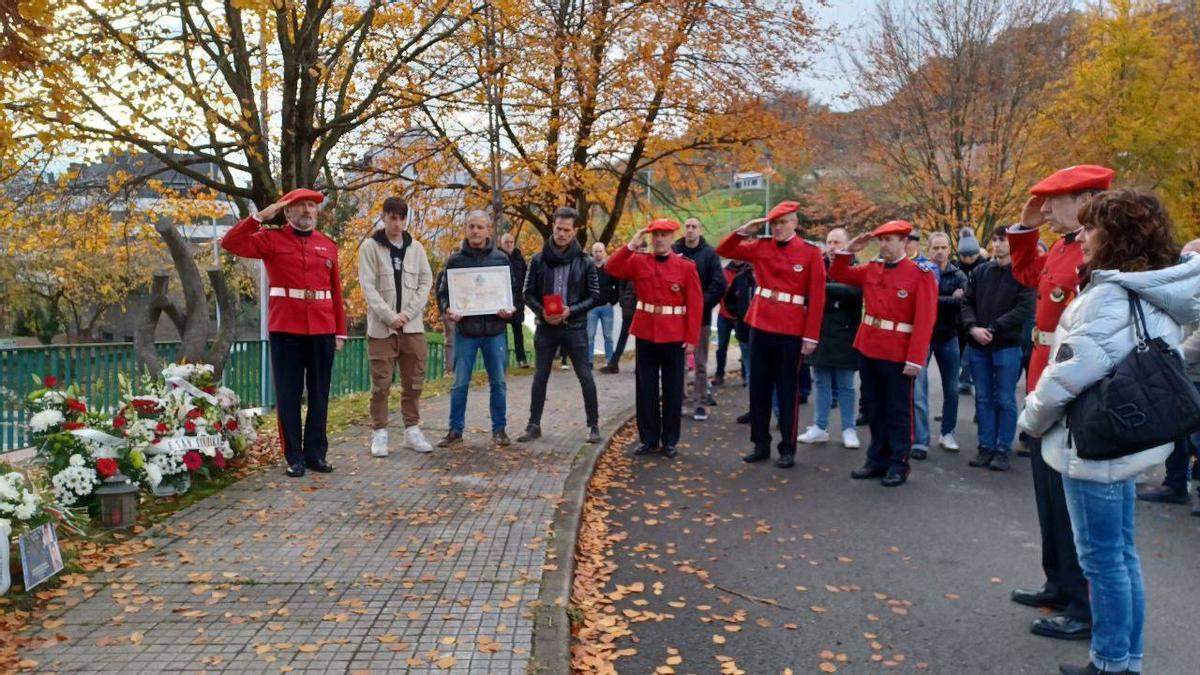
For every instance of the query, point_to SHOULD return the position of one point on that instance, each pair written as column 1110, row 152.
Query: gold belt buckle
column 310, row 294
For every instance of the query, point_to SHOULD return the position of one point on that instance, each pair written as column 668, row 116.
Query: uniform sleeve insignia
column 1065, row 353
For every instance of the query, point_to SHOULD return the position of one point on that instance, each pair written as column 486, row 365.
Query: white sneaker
column 850, row 439
column 948, row 443
column 416, row 440
column 814, row 434
column 379, row 443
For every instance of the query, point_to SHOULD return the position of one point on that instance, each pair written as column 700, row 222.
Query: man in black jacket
column 995, row 308
column 943, row 346
column 627, row 301
column 562, row 274
column 475, row 334
column 712, row 280
column 508, row 244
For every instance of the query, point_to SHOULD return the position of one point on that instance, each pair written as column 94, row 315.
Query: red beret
column 662, row 225
column 1074, row 179
column 782, row 209
column 303, row 195
column 900, row 227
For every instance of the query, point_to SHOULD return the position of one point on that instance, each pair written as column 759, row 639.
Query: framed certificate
column 476, row 291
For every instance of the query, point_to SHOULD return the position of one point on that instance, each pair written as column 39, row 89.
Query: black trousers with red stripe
column 299, row 363
column 887, row 395
column 774, row 369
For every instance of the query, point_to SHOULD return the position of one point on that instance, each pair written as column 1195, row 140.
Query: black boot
column 757, row 456
column 1164, row 495
column 786, row 461
column 866, row 472
column 894, row 479
column 645, row 449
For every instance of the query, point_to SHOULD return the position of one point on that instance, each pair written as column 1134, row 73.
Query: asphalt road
column 764, row 569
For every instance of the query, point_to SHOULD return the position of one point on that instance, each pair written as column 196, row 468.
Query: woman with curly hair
column 1128, row 246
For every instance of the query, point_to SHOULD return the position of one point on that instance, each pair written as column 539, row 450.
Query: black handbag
column 1145, row 402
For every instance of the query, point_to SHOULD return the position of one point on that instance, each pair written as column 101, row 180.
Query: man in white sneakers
column 394, row 273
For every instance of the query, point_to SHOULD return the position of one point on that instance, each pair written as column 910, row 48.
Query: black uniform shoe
column 919, row 453
column 861, row 420
column 894, row 479
column 999, row 462
column 645, row 449
column 982, row 458
column 320, row 466
column 1062, row 627
column 865, row 472
column 295, row 471
column 743, row 419
column 1163, row 495
column 669, row 452
column 500, row 438
column 593, row 435
column 757, row 456
column 1039, row 598
column 786, row 461
column 532, row 432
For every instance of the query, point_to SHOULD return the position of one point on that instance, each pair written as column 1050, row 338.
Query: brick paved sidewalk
column 417, row 562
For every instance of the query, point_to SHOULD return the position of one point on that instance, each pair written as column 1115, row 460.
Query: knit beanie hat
column 967, row 243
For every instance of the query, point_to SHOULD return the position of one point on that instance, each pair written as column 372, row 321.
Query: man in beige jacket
column 394, row 273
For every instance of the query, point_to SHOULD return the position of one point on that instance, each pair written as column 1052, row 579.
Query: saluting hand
column 638, row 238
column 752, row 227
column 270, row 212
column 859, row 243
column 1031, row 215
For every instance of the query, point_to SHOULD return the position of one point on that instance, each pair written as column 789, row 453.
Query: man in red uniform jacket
column 305, row 317
column 1055, row 274
column 666, row 324
column 785, row 318
column 900, row 298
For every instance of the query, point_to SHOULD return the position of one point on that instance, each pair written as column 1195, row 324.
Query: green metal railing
column 95, row 367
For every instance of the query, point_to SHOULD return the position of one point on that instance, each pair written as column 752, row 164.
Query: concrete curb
column 552, row 627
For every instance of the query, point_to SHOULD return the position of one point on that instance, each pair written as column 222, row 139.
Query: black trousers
column 887, row 395
column 518, row 331
column 626, row 322
column 1064, row 577
column 547, row 342
column 659, row 411
column 775, row 363
column 299, row 363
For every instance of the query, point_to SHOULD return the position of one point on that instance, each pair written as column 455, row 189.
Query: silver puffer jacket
column 1095, row 333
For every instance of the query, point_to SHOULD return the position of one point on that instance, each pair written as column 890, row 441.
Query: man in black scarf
column 560, row 287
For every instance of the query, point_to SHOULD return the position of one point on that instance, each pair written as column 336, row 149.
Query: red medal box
column 553, row 304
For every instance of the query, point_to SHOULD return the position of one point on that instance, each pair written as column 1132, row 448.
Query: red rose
column 194, row 413
column 119, row 422
column 209, row 390
column 76, row 405
column 106, row 466
column 231, row 425
column 192, row 460
column 219, row 460
column 73, row 425
column 189, row 426
column 50, row 381
column 161, row 428
column 217, row 426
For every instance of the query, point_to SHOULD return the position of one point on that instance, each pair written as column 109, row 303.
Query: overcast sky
column 852, row 18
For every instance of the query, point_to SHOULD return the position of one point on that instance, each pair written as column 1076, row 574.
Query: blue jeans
column 947, row 356
column 495, row 356
column 996, row 372
column 603, row 316
column 1102, row 518
column 827, row 380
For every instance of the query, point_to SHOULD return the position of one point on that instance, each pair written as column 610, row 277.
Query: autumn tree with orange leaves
column 953, row 89
column 590, row 95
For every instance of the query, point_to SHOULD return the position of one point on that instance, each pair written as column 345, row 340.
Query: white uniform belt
column 779, row 296
column 299, row 293
column 887, row 324
column 661, row 309
column 1042, row 337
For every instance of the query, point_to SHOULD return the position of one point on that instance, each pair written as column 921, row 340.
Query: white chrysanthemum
column 42, row 421
column 154, row 474
column 72, row 483
column 76, row 460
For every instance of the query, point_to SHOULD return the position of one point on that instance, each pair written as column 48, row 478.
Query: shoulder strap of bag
column 1139, row 319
